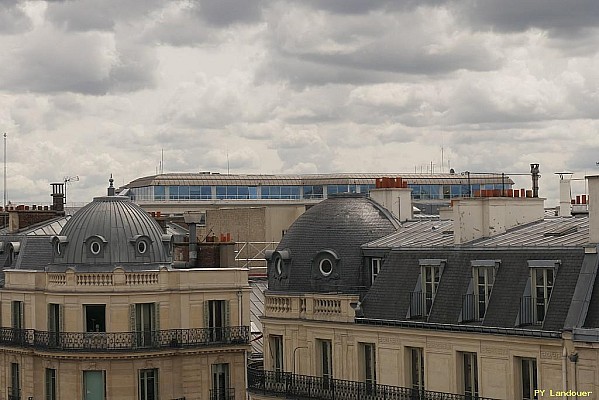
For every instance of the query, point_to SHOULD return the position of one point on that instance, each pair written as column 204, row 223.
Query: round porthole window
column 95, row 248
column 142, row 247
column 326, row 267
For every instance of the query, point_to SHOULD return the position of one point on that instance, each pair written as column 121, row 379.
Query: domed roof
column 111, row 230
column 321, row 251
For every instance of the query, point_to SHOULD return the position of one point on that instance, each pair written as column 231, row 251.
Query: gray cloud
column 13, row 19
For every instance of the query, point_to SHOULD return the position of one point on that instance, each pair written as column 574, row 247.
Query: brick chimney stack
column 58, row 197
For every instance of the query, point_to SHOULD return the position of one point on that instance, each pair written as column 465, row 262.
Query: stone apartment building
column 98, row 310
column 498, row 302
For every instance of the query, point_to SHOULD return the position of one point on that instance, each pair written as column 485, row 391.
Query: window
column 14, row 391
column 148, row 384
column 528, row 371
column 145, row 317
column 484, row 277
column 216, row 315
column 313, row 192
column 368, row 365
column 430, row 277
column 469, row 375
column 50, row 384
column 276, row 352
column 94, row 385
column 375, row 268
column 95, row 317
column 542, row 281
column 54, row 323
column 416, row 363
column 220, row 383
column 326, row 267
column 18, row 315
column 325, row 364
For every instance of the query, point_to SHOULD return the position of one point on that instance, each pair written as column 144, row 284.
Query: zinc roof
column 549, row 232
column 211, row 179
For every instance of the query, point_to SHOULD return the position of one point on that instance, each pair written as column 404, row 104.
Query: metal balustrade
column 124, row 341
column 222, row 394
column 532, row 310
column 306, row 387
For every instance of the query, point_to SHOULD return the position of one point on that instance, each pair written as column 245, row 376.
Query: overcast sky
column 89, row 88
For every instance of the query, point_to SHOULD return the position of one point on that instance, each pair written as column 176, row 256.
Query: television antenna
column 67, row 180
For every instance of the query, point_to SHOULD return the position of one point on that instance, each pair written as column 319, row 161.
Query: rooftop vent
column 561, row 231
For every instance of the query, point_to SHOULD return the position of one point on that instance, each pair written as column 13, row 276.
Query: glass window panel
column 173, row 192
column 435, row 191
column 221, row 192
column 253, row 192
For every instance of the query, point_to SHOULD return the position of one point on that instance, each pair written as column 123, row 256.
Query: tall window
column 484, row 277
column 375, row 268
column 542, row 280
column 368, row 365
column 416, row 361
column 276, row 352
column 14, row 392
column 95, row 317
column 220, row 383
column 431, row 275
column 528, row 368
column 324, row 348
column 216, row 314
column 145, row 322
column 54, row 323
column 18, row 315
column 148, row 384
column 94, row 385
column 470, row 375
column 50, row 384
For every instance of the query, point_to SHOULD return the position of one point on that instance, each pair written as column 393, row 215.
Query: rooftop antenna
column 4, row 169
column 67, row 180
column 228, row 171
column 162, row 161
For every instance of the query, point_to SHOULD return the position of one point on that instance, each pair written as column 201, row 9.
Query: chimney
column 534, row 171
column 192, row 219
column 396, row 199
column 593, row 183
column 565, row 194
column 475, row 218
column 57, row 196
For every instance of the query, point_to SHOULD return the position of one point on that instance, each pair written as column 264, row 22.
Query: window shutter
column 156, row 316
column 206, row 312
column 61, row 317
column 132, row 317
column 227, row 313
column 22, row 310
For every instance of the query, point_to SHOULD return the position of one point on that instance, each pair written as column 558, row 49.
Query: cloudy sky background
column 90, row 88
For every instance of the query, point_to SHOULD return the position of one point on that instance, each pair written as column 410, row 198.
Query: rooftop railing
column 294, row 386
column 124, row 341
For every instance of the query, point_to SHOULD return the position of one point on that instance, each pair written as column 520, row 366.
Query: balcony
column 532, row 310
column 14, row 393
column 124, row 341
column 222, row 394
column 318, row 307
column 293, row 386
column 420, row 305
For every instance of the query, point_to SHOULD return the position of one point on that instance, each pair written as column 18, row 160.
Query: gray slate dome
column 111, row 230
column 321, row 250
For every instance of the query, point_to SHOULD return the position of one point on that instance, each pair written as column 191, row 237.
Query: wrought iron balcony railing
column 222, row 394
column 532, row 310
column 306, row 387
column 124, row 341
column 14, row 393
column 420, row 304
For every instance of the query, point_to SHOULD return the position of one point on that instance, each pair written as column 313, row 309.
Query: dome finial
column 111, row 187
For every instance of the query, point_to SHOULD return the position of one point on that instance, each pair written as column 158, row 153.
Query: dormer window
column 278, row 262
column 537, row 294
column 95, row 245
column 422, row 298
column 324, row 265
column 59, row 244
column 476, row 301
column 141, row 243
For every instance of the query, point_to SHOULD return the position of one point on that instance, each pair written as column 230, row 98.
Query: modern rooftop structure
column 499, row 302
column 166, row 191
